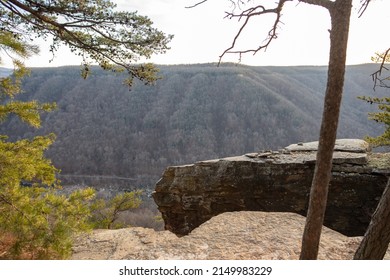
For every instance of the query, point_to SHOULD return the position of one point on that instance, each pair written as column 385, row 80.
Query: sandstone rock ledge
column 231, row 235
column 275, row 181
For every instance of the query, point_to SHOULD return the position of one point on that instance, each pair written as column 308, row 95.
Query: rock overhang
column 273, row 181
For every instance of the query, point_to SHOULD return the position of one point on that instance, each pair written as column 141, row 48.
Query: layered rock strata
column 274, row 181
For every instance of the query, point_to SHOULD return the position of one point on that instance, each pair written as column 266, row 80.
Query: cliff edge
column 275, row 181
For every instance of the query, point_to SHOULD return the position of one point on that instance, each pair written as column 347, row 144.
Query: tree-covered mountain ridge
column 194, row 112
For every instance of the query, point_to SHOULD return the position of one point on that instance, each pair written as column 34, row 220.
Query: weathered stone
column 188, row 196
column 342, row 145
column 252, row 155
column 229, row 236
column 340, row 158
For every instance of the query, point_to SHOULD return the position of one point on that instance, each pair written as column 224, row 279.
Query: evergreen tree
column 383, row 116
column 377, row 237
column 92, row 29
column 105, row 214
column 35, row 220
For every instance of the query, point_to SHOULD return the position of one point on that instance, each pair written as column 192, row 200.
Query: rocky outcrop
column 229, row 236
column 274, row 181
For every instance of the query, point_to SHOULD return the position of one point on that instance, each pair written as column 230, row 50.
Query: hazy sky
column 202, row 33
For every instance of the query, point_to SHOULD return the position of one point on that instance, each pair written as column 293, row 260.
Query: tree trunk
column 377, row 237
column 340, row 13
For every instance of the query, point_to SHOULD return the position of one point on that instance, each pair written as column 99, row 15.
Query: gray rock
column 187, row 196
column 342, row 145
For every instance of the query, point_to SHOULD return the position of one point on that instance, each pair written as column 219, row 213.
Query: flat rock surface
column 342, row 145
column 303, row 157
column 232, row 235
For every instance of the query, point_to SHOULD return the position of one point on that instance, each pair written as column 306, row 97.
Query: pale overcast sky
column 202, row 33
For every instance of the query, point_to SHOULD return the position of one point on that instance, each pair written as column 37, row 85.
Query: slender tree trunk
column 377, row 237
column 340, row 13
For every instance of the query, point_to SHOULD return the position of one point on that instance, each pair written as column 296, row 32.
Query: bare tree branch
column 364, row 6
column 257, row 11
column 376, row 76
column 247, row 15
column 197, row 4
column 93, row 30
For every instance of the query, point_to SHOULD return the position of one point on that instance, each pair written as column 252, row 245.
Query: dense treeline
column 195, row 112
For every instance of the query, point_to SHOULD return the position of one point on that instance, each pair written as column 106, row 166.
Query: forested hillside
column 195, row 112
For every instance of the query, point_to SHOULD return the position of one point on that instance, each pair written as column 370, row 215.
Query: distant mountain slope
column 195, row 112
column 4, row 72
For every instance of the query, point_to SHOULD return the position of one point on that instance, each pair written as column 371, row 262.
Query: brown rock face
column 274, row 181
column 229, row 236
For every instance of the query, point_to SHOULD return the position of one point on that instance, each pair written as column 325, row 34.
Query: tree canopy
column 92, row 29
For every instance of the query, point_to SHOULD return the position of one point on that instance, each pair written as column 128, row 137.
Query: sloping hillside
column 195, row 112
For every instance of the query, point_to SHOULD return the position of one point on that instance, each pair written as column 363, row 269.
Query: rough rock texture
column 344, row 145
column 235, row 235
column 274, row 181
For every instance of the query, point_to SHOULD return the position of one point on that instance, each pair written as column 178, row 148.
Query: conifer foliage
column 377, row 237
column 383, row 116
column 93, row 29
column 37, row 221
column 105, row 214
